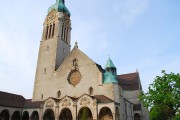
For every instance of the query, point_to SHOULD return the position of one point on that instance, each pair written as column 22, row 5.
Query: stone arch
column 105, row 114
column 25, row 115
column 117, row 114
column 85, row 114
column 137, row 116
column 4, row 115
column 34, row 115
column 48, row 115
column 16, row 116
column 65, row 114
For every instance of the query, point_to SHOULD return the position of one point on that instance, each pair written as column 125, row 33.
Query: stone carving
column 65, row 20
column 85, row 101
column 49, row 104
column 74, row 77
column 66, row 103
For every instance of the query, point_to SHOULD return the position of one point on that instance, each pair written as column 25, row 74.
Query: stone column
column 74, row 112
column 41, row 113
column 56, row 112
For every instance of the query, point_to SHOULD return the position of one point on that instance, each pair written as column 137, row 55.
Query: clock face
column 74, row 78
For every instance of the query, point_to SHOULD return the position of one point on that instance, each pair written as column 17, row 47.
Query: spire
column 110, row 67
column 60, row 7
column 110, row 64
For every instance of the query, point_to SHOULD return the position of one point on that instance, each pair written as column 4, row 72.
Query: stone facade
column 71, row 86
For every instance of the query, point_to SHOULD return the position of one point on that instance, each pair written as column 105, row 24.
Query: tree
column 164, row 94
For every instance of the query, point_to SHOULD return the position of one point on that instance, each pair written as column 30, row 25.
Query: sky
column 141, row 35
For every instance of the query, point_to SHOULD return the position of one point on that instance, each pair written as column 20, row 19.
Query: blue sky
column 137, row 34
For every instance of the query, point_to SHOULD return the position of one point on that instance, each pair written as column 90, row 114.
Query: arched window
column 50, row 29
column 47, row 48
column 64, row 36
column 90, row 91
column 62, row 32
column 44, row 70
column 47, row 29
column 53, row 29
column 41, row 96
column 59, row 94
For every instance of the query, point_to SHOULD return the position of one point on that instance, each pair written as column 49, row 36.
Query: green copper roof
column 109, row 78
column 110, row 64
column 60, row 7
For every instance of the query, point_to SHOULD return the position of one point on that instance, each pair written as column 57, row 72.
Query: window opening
column 47, row 29
column 53, row 30
column 50, row 31
column 62, row 32
column 59, row 94
column 90, row 91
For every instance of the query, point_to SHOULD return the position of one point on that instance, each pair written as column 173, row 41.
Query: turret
column 110, row 74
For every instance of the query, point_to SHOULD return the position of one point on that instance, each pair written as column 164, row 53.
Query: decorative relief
column 49, row 104
column 74, row 77
column 65, row 20
column 85, row 101
column 66, row 103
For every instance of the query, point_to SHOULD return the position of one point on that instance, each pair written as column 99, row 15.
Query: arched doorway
column 16, row 116
column 65, row 114
column 137, row 117
column 4, row 115
column 117, row 114
column 25, row 115
column 105, row 114
column 34, row 115
column 49, row 115
column 85, row 114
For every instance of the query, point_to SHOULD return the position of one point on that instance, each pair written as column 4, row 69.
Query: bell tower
column 54, row 46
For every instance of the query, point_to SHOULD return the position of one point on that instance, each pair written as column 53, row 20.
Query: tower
column 54, row 46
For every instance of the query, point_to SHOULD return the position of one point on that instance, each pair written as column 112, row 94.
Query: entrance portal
column 105, row 114
column 25, row 116
column 85, row 114
column 65, row 114
column 16, row 115
column 35, row 115
column 137, row 117
column 49, row 115
column 4, row 115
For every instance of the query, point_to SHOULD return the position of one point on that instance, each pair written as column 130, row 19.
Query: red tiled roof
column 30, row 104
column 11, row 100
column 102, row 99
column 129, row 81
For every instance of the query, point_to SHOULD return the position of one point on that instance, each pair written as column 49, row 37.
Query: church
column 71, row 86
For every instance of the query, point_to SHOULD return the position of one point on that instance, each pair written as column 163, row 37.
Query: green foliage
column 163, row 94
column 157, row 114
column 84, row 114
column 177, row 117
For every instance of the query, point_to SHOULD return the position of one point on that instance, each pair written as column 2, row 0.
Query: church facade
column 71, row 86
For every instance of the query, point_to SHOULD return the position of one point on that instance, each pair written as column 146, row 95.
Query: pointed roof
column 60, row 7
column 110, row 64
column 109, row 78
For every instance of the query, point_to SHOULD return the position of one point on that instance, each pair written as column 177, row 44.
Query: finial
column 58, row 1
column 136, row 70
column 76, row 45
column 108, row 56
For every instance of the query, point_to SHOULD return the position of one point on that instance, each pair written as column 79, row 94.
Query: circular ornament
column 74, row 77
